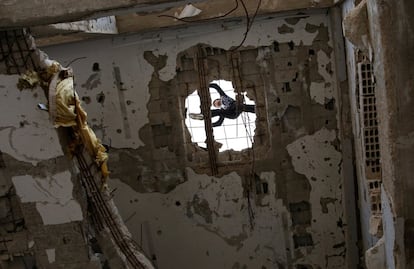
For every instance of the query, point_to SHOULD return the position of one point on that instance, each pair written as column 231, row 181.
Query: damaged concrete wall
column 392, row 41
column 133, row 92
column 387, row 42
column 48, row 205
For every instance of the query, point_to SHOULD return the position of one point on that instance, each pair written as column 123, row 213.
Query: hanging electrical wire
column 249, row 20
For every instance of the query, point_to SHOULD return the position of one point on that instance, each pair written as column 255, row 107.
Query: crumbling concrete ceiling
column 14, row 13
column 134, row 15
column 135, row 22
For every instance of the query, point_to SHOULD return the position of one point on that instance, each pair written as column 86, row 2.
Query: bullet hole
column 330, row 105
column 95, row 67
column 326, row 159
column 159, row 232
column 298, row 158
column 296, row 77
column 133, row 111
column 327, row 122
column 277, row 100
column 303, row 147
column 107, row 147
column 128, row 102
column 276, row 46
column 311, row 52
column 340, row 223
column 86, row 99
column 286, row 87
column 118, row 131
column 265, row 187
column 35, row 95
column 65, row 240
column 100, row 98
column 22, row 124
column 177, row 203
column 291, row 45
column 289, row 64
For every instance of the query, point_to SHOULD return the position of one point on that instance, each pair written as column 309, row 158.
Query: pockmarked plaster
column 52, row 195
column 25, row 130
column 113, row 87
column 218, row 218
column 118, row 118
column 316, row 157
column 321, row 91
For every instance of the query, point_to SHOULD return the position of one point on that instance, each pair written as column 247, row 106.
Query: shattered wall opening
column 233, row 134
column 219, row 65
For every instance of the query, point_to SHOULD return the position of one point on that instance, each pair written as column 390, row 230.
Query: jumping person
column 227, row 107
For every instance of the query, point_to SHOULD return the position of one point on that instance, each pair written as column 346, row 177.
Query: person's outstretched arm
column 217, row 88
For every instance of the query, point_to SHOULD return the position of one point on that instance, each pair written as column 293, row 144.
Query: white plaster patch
column 52, row 195
column 56, row 213
column 315, row 157
column 318, row 92
column 27, row 133
column 323, row 61
column 51, row 255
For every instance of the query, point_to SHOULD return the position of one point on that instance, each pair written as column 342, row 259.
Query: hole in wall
column 233, row 134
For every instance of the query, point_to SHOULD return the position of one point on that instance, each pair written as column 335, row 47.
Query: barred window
column 233, row 134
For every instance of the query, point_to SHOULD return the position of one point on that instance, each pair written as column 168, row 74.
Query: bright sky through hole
column 234, row 134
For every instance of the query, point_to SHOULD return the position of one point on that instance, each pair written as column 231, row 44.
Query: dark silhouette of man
column 227, row 107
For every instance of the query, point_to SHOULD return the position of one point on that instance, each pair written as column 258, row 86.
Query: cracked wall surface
column 280, row 211
column 46, row 208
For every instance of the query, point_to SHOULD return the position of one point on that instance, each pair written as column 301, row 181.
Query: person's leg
column 196, row 116
column 215, row 112
column 199, row 116
column 249, row 108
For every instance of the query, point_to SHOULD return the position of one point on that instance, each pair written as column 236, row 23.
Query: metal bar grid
column 16, row 53
column 205, row 110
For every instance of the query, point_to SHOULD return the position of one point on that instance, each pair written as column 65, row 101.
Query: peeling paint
column 52, row 195
column 315, row 157
column 22, row 120
column 319, row 93
column 229, row 223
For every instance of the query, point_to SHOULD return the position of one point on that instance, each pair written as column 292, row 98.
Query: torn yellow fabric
column 65, row 109
column 65, row 95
